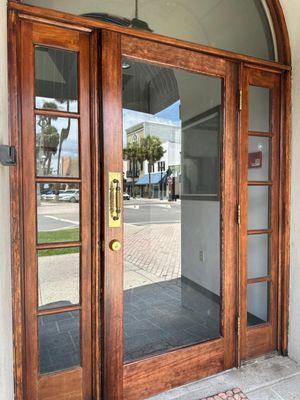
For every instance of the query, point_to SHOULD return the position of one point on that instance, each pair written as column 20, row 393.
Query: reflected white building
column 170, row 136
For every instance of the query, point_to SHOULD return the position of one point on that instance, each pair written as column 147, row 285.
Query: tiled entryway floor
column 168, row 315
column 268, row 378
column 158, row 317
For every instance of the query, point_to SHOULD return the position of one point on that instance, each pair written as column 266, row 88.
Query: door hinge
column 238, row 214
column 103, row 245
column 238, row 325
column 240, row 100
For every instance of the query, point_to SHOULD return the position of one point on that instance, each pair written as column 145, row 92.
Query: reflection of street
column 59, row 279
column 154, row 211
column 56, row 216
column 152, row 242
column 152, row 245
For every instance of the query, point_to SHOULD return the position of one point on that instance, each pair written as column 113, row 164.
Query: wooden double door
column 150, row 212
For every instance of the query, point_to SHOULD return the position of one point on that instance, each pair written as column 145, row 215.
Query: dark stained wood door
column 259, row 200
column 125, row 374
column 56, row 171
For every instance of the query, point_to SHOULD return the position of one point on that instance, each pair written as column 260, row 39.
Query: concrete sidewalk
column 268, row 378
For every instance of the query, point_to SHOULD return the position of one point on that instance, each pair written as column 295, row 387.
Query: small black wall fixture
column 8, row 155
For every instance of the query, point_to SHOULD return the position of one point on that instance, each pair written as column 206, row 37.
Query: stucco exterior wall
column 292, row 13
column 6, row 368
column 291, row 10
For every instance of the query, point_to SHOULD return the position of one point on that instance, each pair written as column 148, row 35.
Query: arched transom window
column 241, row 26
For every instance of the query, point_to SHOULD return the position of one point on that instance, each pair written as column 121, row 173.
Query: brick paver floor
column 154, row 251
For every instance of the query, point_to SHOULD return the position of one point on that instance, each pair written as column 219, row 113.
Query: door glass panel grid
column 259, row 214
column 59, row 284
column 58, row 210
column 59, row 289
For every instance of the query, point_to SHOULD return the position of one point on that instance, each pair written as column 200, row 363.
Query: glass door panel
column 260, row 101
column 172, row 141
column 258, row 256
column 258, row 303
column 170, row 253
column 259, row 150
column 258, row 207
column 259, row 227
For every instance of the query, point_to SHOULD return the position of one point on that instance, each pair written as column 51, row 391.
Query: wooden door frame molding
column 55, row 18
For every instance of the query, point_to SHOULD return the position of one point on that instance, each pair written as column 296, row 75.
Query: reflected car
column 69, row 195
column 48, row 196
column 126, row 196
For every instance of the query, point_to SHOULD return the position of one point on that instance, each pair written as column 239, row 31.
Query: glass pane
column 258, row 303
column 56, row 86
column 258, row 256
column 172, row 138
column 57, row 146
column 258, row 207
column 259, row 159
column 235, row 25
column 59, row 341
column 259, row 109
column 58, row 277
column 58, row 212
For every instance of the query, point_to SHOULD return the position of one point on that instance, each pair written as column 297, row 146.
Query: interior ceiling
column 148, row 88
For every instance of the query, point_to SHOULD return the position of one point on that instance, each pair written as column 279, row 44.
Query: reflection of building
column 170, row 136
column 69, row 166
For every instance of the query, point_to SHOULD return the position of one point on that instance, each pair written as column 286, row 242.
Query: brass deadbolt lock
column 115, row 245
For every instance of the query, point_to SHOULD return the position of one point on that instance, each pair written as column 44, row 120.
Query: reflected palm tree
column 153, row 152
column 49, row 138
column 64, row 134
column 134, row 154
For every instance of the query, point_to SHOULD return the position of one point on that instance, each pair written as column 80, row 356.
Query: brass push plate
column 115, row 199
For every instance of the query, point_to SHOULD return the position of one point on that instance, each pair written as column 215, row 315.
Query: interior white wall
column 291, row 10
column 6, row 366
column 201, row 219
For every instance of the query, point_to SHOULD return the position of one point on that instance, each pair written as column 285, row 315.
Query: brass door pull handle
column 115, row 200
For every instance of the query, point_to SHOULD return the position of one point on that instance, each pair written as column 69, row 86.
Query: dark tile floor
column 59, row 341
column 167, row 315
column 157, row 318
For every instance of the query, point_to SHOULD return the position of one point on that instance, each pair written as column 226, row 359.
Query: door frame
column 154, row 374
column 18, row 11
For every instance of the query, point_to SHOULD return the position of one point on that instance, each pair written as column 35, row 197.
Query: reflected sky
column 168, row 116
